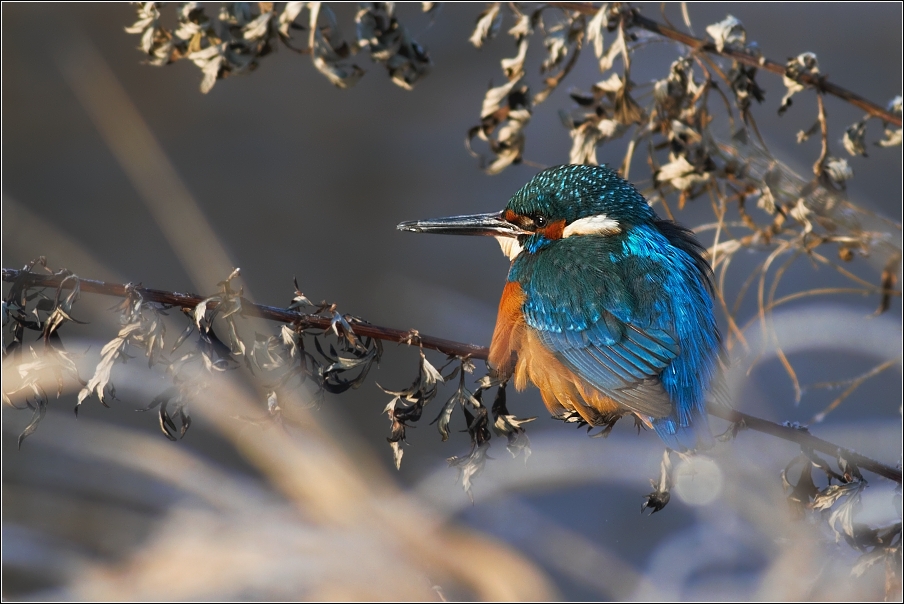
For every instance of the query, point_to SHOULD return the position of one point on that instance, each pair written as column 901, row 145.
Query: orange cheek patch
column 554, row 230
column 510, row 215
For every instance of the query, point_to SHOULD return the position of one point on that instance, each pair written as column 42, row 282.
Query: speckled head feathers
column 573, row 192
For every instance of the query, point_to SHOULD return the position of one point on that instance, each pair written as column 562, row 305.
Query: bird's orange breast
column 516, row 351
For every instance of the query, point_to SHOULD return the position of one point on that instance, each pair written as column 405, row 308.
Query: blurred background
column 104, row 159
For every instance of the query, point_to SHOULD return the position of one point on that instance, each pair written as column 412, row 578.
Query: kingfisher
column 607, row 308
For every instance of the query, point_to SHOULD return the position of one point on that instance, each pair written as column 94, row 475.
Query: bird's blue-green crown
column 572, row 192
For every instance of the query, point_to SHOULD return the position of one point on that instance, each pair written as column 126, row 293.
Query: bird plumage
column 607, row 308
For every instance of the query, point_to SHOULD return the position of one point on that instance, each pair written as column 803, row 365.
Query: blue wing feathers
column 657, row 341
column 630, row 363
column 610, row 360
column 640, row 358
column 650, row 358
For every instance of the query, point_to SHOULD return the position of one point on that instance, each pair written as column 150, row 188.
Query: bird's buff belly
column 516, row 352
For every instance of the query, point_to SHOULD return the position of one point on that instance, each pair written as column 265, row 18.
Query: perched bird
column 607, row 309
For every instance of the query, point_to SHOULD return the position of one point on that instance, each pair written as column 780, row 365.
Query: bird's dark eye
column 527, row 222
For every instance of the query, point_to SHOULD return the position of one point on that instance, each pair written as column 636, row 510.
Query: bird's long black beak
column 492, row 224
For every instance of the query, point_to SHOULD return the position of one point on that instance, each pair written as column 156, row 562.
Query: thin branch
column 820, row 83
column 822, row 291
column 272, row 313
column 189, row 301
column 820, row 164
column 806, row 440
column 853, row 385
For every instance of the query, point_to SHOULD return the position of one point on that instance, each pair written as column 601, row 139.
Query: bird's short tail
column 694, row 435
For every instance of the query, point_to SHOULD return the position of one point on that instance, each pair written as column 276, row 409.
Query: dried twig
column 191, row 301
column 819, row 82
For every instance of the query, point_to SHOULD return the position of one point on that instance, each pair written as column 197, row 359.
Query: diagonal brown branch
column 189, row 301
column 820, row 83
column 271, row 313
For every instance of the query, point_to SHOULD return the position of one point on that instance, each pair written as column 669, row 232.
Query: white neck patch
column 510, row 247
column 593, row 225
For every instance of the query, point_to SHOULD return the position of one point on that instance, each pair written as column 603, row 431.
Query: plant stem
column 449, row 347
column 820, row 83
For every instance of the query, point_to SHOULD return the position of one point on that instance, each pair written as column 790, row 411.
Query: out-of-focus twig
column 144, row 161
